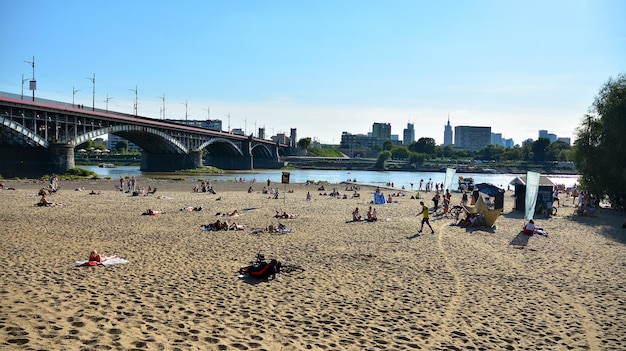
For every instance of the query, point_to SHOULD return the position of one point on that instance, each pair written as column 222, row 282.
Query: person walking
column 425, row 216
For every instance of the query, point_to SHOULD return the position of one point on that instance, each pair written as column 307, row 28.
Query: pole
column 93, row 92
column 33, row 83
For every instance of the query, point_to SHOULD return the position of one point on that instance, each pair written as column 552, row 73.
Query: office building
column 447, row 133
column 471, row 138
column 408, row 136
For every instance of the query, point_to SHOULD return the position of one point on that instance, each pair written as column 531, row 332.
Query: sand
column 365, row 286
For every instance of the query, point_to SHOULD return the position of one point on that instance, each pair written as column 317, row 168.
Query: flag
column 532, row 190
column 447, row 183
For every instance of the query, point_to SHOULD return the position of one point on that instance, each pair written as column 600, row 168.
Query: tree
column 382, row 159
column 388, row 145
column 598, row 151
column 400, row 153
column 424, row 146
column 539, row 149
column 121, row 146
column 304, row 143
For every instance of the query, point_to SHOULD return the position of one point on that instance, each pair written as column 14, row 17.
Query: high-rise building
column 471, row 138
column 496, row 139
column 293, row 140
column 408, row 136
column 545, row 134
column 261, row 133
column 447, row 133
column 382, row 131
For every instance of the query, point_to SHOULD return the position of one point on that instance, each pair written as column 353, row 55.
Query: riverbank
column 364, row 285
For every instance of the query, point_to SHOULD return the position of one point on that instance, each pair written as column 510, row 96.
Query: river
column 332, row 176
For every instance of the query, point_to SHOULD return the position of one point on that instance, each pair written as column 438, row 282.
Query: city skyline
column 324, row 67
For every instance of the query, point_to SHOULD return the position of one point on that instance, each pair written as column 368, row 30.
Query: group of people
column 204, row 187
column 223, row 225
column 371, row 215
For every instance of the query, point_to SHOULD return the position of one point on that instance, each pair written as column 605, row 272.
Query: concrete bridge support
column 35, row 162
column 151, row 162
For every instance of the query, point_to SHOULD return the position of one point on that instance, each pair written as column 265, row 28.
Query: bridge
column 39, row 137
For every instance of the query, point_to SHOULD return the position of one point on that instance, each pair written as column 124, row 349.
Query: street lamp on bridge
column 136, row 99
column 107, row 102
column 23, row 81
column 163, row 108
column 93, row 94
column 185, row 103
column 74, row 91
column 33, row 82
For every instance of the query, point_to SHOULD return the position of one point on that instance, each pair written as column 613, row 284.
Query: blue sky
column 324, row 67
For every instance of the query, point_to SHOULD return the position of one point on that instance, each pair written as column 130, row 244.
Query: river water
column 398, row 178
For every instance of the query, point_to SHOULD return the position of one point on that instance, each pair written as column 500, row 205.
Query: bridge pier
column 230, row 163
column 151, row 162
column 35, row 162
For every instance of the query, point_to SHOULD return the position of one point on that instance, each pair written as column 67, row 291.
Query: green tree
column 121, row 146
column 415, row 158
column 599, row 148
column 491, row 152
column 539, row 148
column 400, row 152
column 388, row 145
column 553, row 151
column 424, row 145
column 382, row 159
column 304, row 143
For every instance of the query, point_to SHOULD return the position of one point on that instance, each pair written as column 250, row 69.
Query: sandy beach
column 364, row 286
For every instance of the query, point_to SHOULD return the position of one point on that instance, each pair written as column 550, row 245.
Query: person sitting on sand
column 356, row 216
column 262, row 270
column 43, row 201
column 531, row 229
column 372, row 215
column 96, row 257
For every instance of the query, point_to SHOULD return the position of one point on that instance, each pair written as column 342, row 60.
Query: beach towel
column 379, row 198
column 108, row 262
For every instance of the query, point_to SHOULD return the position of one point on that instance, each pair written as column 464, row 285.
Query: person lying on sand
column 191, row 208
column 96, row 257
column 151, row 212
column 262, row 270
column 285, row 215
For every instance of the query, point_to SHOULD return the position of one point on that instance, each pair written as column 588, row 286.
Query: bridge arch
column 222, row 145
column 140, row 135
column 26, row 135
column 262, row 151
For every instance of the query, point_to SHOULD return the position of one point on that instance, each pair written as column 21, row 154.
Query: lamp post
column 74, row 91
column 185, row 103
column 93, row 94
column 136, row 98
column 23, row 81
column 107, row 102
column 163, row 108
column 33, row 82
